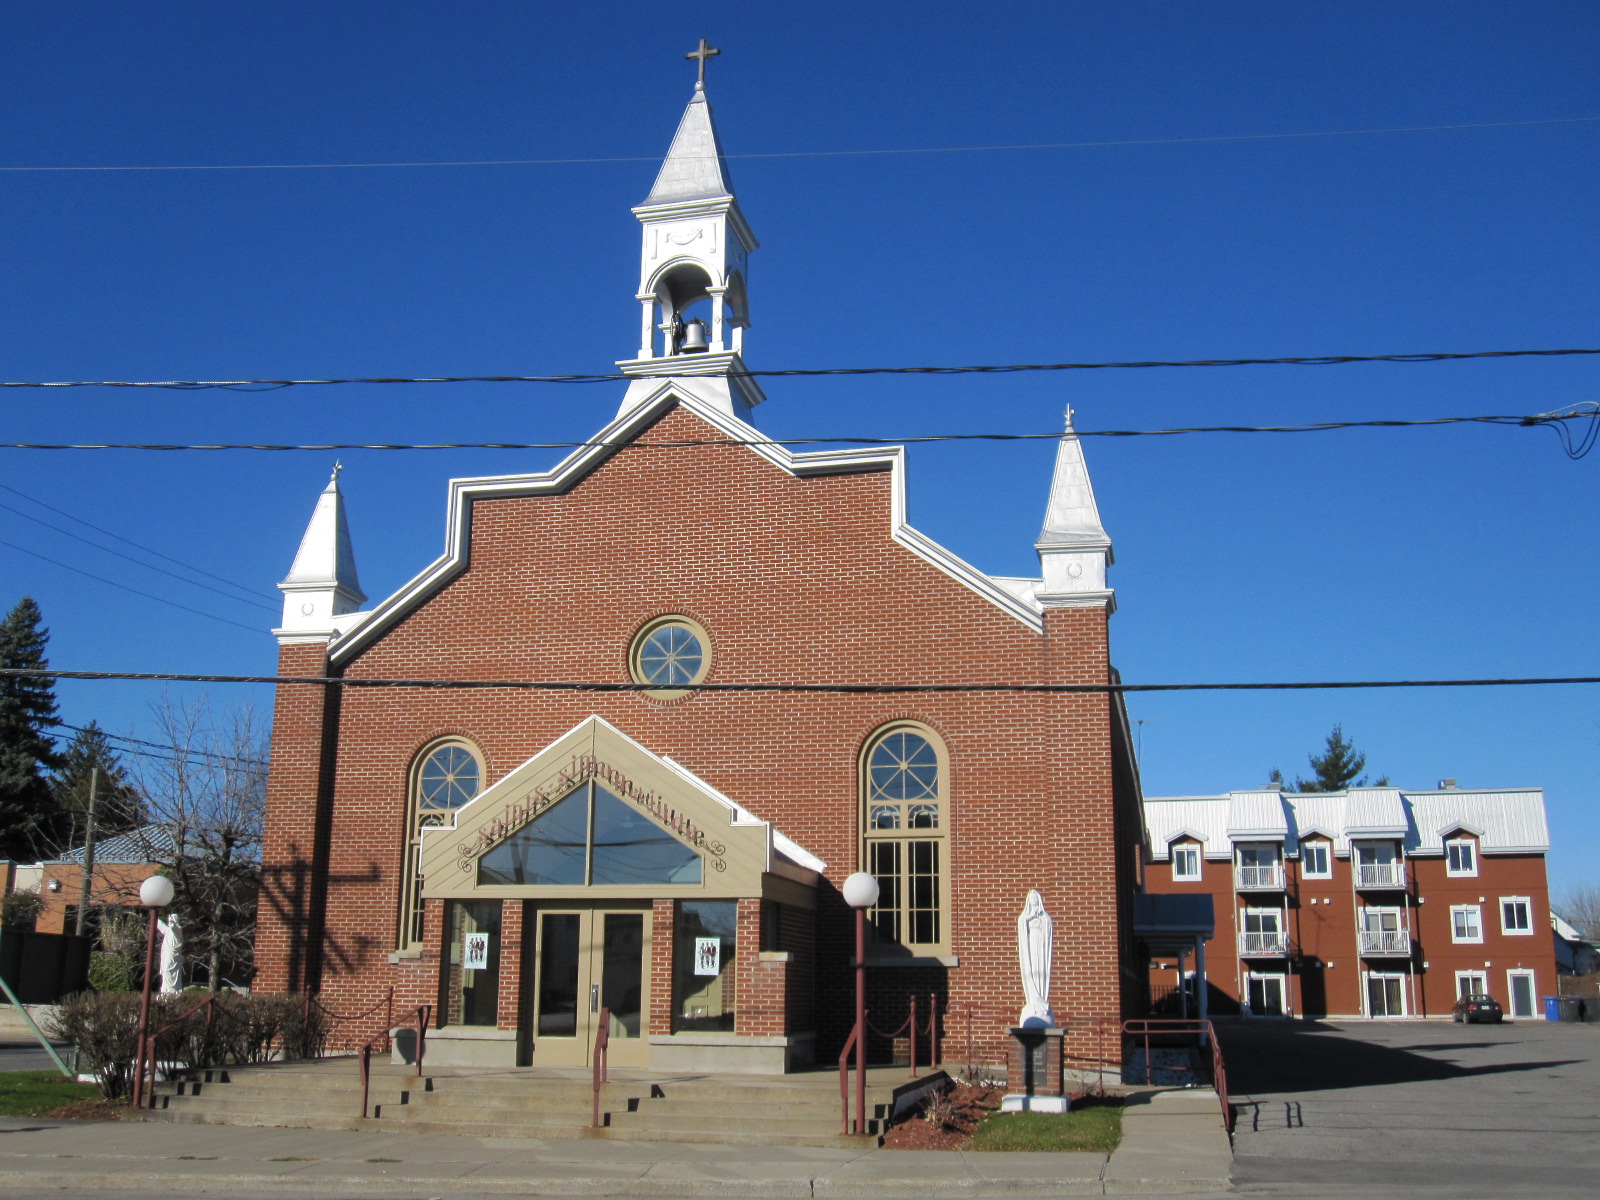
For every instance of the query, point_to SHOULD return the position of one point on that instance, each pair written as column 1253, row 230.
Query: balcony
column 1380, row 875
column 1268, row 878
column 1263, row 945
column 1385, row 943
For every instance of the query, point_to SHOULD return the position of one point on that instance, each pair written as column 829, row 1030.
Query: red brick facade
column 796, row 579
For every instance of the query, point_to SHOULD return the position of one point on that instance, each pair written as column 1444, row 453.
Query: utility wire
column 885, row 689
column 135, row 561
column 1557, row 420
column 992, row 369
column 186, row 751
column 61, row 512
column 897, row 151
column 147, row 595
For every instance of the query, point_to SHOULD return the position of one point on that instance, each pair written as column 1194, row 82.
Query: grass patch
column 35, row 1093
column 291, row 1158
column 1096, row 1127
column 383, row 1160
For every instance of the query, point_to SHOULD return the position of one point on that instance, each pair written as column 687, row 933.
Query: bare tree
column 1581, row 906
column 208, row 793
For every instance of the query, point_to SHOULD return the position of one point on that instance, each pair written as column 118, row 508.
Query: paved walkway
column 1172, row 1143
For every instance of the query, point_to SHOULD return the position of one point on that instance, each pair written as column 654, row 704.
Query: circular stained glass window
column 448, row 779
column 671, row 653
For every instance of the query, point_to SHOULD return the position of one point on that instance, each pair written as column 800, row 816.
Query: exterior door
column 1386, row 996
column 1520, row 984
column 1266, row 995
column 587, row 960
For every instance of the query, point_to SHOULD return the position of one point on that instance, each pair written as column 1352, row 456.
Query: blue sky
column 1456, row 552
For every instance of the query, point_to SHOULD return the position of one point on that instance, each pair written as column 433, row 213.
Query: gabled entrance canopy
column 595, row 813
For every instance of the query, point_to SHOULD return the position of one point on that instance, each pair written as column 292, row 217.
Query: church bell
column 694, row 337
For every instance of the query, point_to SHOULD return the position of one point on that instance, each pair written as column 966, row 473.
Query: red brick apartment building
column 1374, row 902
column 525, row 858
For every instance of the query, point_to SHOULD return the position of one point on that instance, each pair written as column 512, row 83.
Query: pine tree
column 28, row 814
column 1337, row 767
column 118, row 805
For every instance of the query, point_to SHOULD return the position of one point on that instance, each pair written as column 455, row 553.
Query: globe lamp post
column 155, row 894
column 861, row 893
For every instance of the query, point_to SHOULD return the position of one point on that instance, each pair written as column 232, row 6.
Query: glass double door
column 588, row 961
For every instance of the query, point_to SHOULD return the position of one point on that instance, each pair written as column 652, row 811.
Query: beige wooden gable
column 735, row 848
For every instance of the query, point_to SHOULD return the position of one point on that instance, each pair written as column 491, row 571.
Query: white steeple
column 1074, row 550
column 322, row 583
column 693, row 305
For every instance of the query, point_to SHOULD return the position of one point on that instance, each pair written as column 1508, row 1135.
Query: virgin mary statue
column 1035, row 940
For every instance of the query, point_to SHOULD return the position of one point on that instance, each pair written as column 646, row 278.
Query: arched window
column 905, row 833
column 445, row 776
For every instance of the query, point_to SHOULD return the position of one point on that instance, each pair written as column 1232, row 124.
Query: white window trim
column 1481, row 976
column 1392, row 910
column 1477, row 915
column 1199, row 862
column 1276, row 914
column 1366, row 996
column 1327, row 849
column 1511, row 994
column 1527, row 904
column 1470, row 843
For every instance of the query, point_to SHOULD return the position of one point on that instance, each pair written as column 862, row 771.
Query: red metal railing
column 424, row 1016
column 844, row 1086
column 912, row 1028
column 146, row 1054
column 601, row 1061
column 1207, row 1036
column 336, row 1018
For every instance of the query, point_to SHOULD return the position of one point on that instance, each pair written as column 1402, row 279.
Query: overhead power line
column 868, row 153
column 1323, row 360
column 1575, row 447
column 187, row 751
column 885, row 689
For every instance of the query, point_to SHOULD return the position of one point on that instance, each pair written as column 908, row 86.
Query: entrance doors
column 584, row 960
column 1386, row 995
column 1266, row 995
column 1520, row 984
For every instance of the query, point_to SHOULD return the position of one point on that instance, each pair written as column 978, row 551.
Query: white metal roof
column 1505, row 821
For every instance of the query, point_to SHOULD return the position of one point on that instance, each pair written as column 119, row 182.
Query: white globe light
column 861, row 890
column 156, row 892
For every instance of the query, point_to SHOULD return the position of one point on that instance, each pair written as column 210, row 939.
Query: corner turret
column 1074, row 550
column 322, row 583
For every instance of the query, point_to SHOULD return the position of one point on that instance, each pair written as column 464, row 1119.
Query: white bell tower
column 694, row 308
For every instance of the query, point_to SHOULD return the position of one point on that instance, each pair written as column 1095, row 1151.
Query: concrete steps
column 325, row 1094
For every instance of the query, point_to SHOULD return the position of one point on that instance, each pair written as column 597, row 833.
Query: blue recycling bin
column 1552, row 1008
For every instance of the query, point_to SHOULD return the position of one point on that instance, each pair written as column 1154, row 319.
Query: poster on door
column 707, row 956
column 476, row 957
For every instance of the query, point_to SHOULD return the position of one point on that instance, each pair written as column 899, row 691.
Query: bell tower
column 694, row 308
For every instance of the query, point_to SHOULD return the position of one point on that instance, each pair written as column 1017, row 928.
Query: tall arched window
column 905, row 836
column 445, row 776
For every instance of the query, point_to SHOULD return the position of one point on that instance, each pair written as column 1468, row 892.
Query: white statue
column 171, row 954
column 1035, row 942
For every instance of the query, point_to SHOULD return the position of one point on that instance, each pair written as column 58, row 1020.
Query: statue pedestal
column 1034, row 1070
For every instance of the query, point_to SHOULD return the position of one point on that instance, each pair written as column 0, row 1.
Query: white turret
column 1074, row 550
column 322, row 583
column 693, row 305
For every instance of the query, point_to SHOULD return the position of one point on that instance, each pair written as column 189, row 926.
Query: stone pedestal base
column 1033, row 1070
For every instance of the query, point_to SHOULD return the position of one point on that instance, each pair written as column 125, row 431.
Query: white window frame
column 1478, row 987
column 1476, row 911
column 1324, row 849
column 1470, row 845
column 1267, row 978
column 1527, row 913
column 1186, row 849
column 1367, row 978
column 1511, row 994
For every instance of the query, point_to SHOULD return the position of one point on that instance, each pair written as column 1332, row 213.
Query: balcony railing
column 1263, row 945
column 1380, row 875
column 1267, row 878
column 1383, row 943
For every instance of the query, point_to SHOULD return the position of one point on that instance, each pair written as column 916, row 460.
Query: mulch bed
column 96, row 1109
column 971, row 1105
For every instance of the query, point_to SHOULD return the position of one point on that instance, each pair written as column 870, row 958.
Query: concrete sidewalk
column 1172, row 1143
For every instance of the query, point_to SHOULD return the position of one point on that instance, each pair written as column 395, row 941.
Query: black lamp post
column 155, row 894
column 861, row 893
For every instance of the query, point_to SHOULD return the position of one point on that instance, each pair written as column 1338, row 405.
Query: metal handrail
column 1207, row 1032
column 1385, row 941
column 424, row 1015
column 844, row 1081
column 601, row 1061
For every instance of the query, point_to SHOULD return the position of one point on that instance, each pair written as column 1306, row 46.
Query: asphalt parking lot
column 1430, row 1107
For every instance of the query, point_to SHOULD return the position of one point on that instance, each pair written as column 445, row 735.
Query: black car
column 1477, row 1008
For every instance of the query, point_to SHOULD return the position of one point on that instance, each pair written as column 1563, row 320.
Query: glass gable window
column 590, row 837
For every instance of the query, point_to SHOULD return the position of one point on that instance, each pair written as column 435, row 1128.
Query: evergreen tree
column 27, row 711
column 1336, row 768
column 118, row 805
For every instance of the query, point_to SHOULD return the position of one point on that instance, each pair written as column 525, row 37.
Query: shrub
column 20, row 910
column 104, row 1026
column 110, row 972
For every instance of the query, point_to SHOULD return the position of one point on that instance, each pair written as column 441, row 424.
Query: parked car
column 1477, row 1008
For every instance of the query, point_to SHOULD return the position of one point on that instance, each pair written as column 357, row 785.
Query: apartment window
column 1472, row 983
column 1466, row 923
column 1186, row 862
column 1316, row 860
column 1516, row 915
column 1461, row 856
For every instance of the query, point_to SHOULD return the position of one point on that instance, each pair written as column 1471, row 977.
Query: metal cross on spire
column 703, row 52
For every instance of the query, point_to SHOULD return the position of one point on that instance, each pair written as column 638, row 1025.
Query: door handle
column 594, row 997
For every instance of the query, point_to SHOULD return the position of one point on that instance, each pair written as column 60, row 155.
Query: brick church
column 670, row 851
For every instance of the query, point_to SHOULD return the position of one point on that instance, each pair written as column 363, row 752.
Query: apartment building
column 1373, row 902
